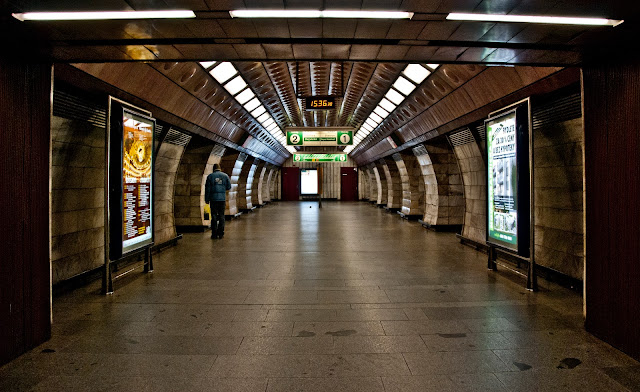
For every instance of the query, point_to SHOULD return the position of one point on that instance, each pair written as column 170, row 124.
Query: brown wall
column 611, row 94
column 77, row 182
column 474, row 179
column 331, row 180
column 558, row 170
column 166, row 167
column 25, row 286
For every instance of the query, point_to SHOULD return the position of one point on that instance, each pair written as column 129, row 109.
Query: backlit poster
column 130, row 179
column 137, row 162
column 509, row 180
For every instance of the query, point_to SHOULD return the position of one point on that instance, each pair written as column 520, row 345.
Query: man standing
column 215, row 192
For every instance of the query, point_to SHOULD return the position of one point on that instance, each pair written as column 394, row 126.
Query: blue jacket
column 217, row 185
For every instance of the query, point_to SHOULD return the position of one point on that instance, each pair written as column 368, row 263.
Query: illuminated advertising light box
column 508, row 180
column 131, row 158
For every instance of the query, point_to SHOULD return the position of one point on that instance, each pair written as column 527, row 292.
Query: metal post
column 532, row 279
column 107, row 280
column 491, row 258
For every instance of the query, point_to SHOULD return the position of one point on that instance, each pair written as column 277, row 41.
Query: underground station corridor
column 319, row 195
column 345, row 297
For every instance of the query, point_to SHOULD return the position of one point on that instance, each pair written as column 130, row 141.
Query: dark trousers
column 217, row 217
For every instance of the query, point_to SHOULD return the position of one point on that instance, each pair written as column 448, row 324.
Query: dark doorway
column 290, row 184
column 349, row 183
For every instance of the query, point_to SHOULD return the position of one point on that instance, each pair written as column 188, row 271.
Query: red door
column 349, row 183
column 290, row 183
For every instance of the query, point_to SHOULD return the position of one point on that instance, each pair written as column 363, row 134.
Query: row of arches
column 424, row 182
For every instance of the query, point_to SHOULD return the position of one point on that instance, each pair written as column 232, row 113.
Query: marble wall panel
column 413, row 192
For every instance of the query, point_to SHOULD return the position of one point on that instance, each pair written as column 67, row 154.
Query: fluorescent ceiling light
column 207, row 64
column 371, row 123
column 272, row 127
column 223, row 72
column 416, row 72
column 534, row 19
column 393, row 96
column 387, row 105
column 404, row 86
column 381, row 112
column 258, row 111
column 254, row 103
column 320, row 14
column 269, row 122
column 263, row 117
column 376, row 118
column 366, row 127
column 433, row 66
column 105, row 15
column 245, row 96
column 235, row 85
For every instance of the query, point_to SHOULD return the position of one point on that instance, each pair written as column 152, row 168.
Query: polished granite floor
column 344, row 298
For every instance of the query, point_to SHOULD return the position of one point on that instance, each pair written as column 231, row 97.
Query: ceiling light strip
column 408, row 80
column 104, row 15
column 226, row 73
column 534, row 19
column 340, row 14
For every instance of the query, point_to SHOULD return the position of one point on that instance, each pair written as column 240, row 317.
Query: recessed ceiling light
column 404, row 86
column 259, row 110
column 320, row 14
column 223, row 72
column 235, row 85
column 263, row 117
column 387, row 105
column 416, row 73
column 104, row 15
column 207, row 64
column 376, row 118
column 393, row 96
column 381, row 112
column 534, row 19
column 245, row 96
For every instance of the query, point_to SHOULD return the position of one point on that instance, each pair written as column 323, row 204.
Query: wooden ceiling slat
column 336, row 52
column 369, row 28
column 339, row 28
column 206, row 28
column 364, row 52
column 423, row 6
column 304, row 28
column 304, row 52
column 405, row 29
column 392, row 52
column 238, row 28
column 437, row 30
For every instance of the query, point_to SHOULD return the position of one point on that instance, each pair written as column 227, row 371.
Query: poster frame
column 114, row 190
column 522, row 110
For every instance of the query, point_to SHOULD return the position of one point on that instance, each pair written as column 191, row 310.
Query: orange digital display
column 320, row 103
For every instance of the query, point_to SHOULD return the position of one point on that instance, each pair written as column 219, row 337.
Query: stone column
column 444, row 201
column 245, row 182
column 231, row 164
column 256, row 198
column 412, row 184
column 381, row 180
column 394, row 188
column 214, row 157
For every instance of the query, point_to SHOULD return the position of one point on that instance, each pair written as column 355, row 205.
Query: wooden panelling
column 25, row 286
column 611, row 94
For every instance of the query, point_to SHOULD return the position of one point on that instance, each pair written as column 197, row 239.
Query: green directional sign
column 339, row 136
column 319, row 157
column 294, row 138
column 345, row 138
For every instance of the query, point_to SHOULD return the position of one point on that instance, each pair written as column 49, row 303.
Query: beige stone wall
column 412, row 184
column 444, row 200
column 188, row 185
column 231, row 163
column 474, row 178
column 364, row 185
column 166, row 167
column 77, row 195
column 394, row 186
column 275, row 186
column 381, row 180
column 558, row 171
column 265, row 192
column 255, row 184
column 245, row 182
column 262, row 177
column 375, row 191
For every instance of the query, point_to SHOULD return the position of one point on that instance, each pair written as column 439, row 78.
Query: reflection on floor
column 343, row 298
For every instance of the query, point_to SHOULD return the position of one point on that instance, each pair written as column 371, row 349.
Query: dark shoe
column 220, row 235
